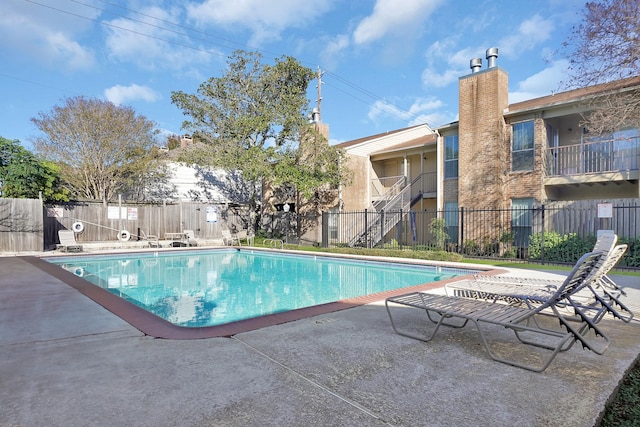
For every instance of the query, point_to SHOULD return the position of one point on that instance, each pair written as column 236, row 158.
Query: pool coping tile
column 154, row 326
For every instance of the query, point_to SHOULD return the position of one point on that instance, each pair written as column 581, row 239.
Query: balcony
column 424, row 186
column 387, row 187
column 602, row 160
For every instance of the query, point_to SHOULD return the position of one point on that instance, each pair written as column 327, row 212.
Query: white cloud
column 431, row 78
column 415, row 112
column 156, row 45
column 389, row 17
column 265, row 19
column 122, row 94
column 540, row 84
column 434, row 119
column 332, row 50
column 444, row 64
column 530, row 33
column 35, row 31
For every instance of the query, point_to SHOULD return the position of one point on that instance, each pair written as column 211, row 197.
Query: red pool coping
column 155, row 326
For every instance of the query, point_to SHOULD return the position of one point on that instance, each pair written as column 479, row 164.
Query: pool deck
column 66, row 360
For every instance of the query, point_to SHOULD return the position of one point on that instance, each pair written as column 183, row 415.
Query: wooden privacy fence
column 104, row 223
column 21, row 225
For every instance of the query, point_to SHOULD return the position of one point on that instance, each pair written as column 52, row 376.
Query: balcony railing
column 425, row 183
column 386, row 187
column 594, row 157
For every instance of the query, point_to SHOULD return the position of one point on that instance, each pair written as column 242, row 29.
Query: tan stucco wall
column 355, row 196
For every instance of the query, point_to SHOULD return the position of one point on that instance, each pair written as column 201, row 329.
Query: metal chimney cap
column 492, row 55
column 492, row 51
column 475, row 64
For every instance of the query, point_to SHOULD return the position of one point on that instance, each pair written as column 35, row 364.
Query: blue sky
column 386, row 64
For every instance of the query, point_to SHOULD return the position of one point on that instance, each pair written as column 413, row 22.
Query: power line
column 189, row 34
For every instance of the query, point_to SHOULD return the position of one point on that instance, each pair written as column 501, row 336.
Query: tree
column 103, row 149
column 313, row 171
column 23, row 175
column 251, row 119
column 603, row 48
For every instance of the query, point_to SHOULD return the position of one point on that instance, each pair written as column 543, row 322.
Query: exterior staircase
column 387, row 213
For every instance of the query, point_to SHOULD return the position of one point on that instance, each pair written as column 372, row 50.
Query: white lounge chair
column 153, row 240
column 604, row 295
column 440, row 309
column 229, row 238
column 68, row 241
column 190, row 237
column 244, row 235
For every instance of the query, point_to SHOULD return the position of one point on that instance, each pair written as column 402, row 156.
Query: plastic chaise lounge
column 152, row 239
column 68, row 241
column 599, row 297
column 229, row 239
column 190, row 236
column 441, row 309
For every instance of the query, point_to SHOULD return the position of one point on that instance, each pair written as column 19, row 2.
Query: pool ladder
column 273, row 243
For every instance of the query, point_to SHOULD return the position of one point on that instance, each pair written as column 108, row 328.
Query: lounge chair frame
column 190, row 238
column 68, row 241
column 601, row 295
column 229, row 238
column 440, row 309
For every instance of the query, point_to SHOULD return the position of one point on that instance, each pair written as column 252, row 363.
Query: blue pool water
column 208, row 288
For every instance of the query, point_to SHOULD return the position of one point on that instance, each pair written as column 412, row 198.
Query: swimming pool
column 203, row 288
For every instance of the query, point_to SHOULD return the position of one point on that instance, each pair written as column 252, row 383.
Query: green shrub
column 438, row 229
column 393, row 244
column 559, row 248
column 483, row 247
column 631, row 258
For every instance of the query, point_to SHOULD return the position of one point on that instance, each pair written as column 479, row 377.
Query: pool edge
column 156, row 327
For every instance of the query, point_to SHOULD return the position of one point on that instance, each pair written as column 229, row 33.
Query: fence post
column 325, row 229
column 366, row 229
column 401, row 231
column 461, row 237
column 542, row 238
column 381, row 228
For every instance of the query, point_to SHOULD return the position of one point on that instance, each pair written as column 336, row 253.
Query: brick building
column 497, row 155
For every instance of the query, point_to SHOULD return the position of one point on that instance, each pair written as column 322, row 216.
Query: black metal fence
column 547, row 233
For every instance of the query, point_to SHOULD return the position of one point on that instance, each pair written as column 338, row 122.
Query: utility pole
column 319, row 100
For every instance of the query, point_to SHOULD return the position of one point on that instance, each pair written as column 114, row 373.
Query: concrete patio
column 67, row 361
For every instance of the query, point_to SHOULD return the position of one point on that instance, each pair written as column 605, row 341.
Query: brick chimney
column 483, row 96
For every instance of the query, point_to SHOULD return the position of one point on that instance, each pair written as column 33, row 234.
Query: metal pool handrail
column 273, row 243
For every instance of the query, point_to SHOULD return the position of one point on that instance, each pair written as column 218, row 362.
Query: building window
column 451, row 215
column 521, row 221
column 522, row 146
column 451, row 156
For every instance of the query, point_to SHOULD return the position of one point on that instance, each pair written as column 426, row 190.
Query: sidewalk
column 66, row 361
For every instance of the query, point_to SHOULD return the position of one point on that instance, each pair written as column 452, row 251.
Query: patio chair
column 246, row 236
column 600, row 296
column 440, row 309
column 68, row 241
column 153, row 240
column 190, row 237
column 229, row 238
